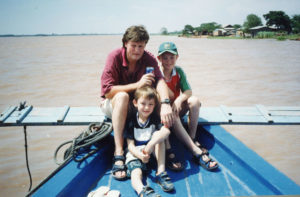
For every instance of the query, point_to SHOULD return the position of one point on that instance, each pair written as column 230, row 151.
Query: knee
column 193, row 101
column 121, row 98
column 165, row 131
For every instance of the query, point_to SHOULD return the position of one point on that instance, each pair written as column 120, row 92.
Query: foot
column 205, row 161
column 204, row 150
column 148, row 192
column 165, row 182
column 172, row 162
column 119, row 168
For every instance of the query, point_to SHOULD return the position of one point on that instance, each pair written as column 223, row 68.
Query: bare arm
column 157, row 137
column 121, row 88
column 171, row 93
column 177, row 105
column 166, row 114
column 147, row 79
column 136, row 152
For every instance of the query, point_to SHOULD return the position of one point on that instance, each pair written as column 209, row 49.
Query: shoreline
column 294, row 37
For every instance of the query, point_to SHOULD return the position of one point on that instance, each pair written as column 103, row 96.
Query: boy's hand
column 144, row 156
column 166, row 115
column 147, row 79
column 177, row 107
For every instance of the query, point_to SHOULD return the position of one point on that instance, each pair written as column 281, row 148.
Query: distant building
column 255, row 30
column 219, row 32
column 239, row 33
column 229, row 30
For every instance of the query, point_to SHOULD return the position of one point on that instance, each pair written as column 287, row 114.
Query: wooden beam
column 264, row 112
column 6, row 113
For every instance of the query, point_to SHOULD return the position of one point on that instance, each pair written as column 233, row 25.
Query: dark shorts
column 134, row 164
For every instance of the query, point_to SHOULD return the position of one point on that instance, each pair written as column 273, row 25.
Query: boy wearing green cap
column 182, row 101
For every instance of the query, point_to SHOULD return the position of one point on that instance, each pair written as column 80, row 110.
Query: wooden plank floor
column 47, row 116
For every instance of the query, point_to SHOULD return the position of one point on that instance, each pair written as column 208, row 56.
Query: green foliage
column 208, row 27
column 236, row 26
column 265, row 34
column 251, row 21
column 279, row 19
column 281, row 38
column 188, row 29
column 163, row 31
column 296, row 23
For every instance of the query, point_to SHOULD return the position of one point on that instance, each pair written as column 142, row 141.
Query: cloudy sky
column 114, row 16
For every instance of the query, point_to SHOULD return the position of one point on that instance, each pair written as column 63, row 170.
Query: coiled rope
column 89, row 137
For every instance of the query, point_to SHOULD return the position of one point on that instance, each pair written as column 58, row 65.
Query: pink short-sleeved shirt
column 116, row 70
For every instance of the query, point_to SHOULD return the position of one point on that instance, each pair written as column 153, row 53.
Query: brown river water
column 59, row 71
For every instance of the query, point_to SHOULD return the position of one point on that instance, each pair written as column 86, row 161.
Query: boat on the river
column 241, row 171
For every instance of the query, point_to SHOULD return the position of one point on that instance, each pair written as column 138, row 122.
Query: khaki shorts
column 106, row 107
column 130, row 157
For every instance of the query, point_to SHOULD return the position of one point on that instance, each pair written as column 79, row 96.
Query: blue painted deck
column 241, row 173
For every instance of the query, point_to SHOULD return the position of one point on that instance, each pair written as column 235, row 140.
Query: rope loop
column 92, row 136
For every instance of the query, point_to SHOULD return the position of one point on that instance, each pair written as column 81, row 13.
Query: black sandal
column 118, row 168
column 203, row 149
column 205, row 164
column 173, row 161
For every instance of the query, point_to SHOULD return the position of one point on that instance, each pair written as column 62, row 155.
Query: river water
column 65, row 70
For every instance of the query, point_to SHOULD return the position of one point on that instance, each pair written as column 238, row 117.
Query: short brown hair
column 148, row 92
column 135, row 34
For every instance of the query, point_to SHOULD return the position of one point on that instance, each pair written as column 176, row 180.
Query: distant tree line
column 278, row 19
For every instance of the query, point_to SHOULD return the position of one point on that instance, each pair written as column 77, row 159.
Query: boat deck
column 241, row 173
column 258, row 114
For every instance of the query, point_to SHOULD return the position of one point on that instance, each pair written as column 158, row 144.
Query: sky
column 115, row 16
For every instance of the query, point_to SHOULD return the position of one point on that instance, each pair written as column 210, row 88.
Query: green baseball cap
column 167, row 47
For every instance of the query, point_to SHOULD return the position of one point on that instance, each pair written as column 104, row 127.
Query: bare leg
column 187, row 140
column 167, row 143
column 194, row 108
column 157, row 137
column 171, row 155
column 160, row 157
column 182, row 134
column 119, row 114
column 136, row 180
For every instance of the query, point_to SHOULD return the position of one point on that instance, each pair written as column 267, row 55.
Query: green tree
column 279, row 19
column 164, row 31
column 296, row 23
column 251, row 21
column 236, row 26
column 208, row 27
column 188, row 29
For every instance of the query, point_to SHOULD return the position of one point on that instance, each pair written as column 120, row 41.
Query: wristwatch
column 165, row 101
